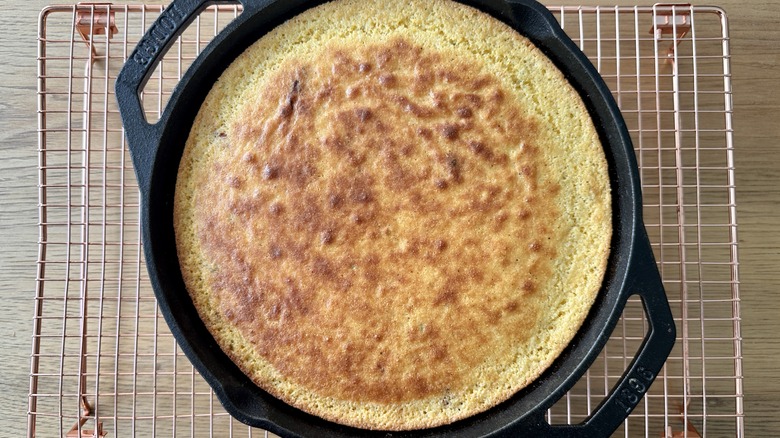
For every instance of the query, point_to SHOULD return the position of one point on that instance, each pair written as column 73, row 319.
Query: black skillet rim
column 156, row 151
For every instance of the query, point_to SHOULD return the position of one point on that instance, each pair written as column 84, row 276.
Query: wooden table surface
column 755, row 33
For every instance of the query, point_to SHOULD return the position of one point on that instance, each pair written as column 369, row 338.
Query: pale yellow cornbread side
column 393, row 215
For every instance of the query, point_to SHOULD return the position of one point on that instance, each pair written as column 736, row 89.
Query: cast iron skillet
column 157, row 148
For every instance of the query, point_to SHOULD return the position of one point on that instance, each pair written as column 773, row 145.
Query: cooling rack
column 103, row 362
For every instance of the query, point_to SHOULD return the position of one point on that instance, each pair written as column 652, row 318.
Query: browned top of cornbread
column 381, row 231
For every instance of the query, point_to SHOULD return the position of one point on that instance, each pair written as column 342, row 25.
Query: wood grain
column 755, row 30
column 18, row 208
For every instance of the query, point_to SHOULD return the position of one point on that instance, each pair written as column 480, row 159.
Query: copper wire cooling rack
column 103, row 362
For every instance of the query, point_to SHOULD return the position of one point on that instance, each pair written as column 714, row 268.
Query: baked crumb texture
column 393, row 215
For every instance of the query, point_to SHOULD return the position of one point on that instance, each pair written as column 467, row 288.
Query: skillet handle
column 143, row 137
column 645, row 281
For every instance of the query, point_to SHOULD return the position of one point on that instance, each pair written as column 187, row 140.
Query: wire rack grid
column 103, row 362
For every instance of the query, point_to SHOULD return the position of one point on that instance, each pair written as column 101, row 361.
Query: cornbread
column 393, row 215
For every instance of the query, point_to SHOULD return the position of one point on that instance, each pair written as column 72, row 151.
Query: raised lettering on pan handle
column 136, row 71
column 648, row 362
column 152, row 46
column 655, row 348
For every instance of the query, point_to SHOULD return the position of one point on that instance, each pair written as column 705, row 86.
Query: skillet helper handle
column 646, row 282
column 648, row 362
column 143, row 137
column 652, row 354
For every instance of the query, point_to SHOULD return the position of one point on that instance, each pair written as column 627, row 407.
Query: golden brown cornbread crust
column 393, row 216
